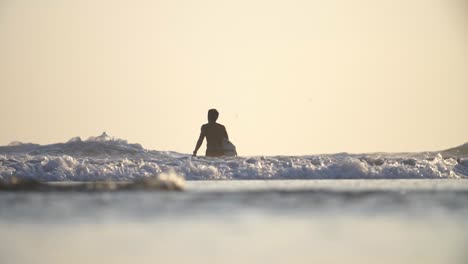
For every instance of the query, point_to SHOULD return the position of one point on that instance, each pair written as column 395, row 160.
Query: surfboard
column 229, row 149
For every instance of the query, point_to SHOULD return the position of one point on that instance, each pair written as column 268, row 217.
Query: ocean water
column 341, row 208
column 252, row 221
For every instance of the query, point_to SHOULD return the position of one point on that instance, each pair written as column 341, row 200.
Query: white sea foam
column 107, row 158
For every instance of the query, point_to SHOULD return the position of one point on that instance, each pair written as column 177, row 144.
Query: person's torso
column 214, row 133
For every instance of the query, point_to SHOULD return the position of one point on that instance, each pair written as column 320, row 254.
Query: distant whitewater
column 107, row 158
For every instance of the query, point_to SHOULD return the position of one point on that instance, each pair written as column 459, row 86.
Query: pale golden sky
column 288, row 77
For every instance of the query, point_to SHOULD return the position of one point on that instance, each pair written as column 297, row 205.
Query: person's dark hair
column 213, row 115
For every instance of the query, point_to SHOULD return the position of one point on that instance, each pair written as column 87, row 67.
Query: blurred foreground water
column 291, row 221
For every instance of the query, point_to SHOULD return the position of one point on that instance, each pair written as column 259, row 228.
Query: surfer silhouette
column 215, row 134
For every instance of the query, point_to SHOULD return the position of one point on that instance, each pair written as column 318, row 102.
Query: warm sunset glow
column 288, row 77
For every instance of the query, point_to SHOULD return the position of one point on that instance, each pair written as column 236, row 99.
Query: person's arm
column 199, row 142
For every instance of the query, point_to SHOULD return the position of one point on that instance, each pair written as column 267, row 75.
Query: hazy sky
column 288, row 77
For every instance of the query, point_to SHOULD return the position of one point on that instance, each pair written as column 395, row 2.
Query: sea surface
column 242, row 221
column 337, row 208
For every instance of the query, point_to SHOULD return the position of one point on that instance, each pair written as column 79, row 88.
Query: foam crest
column 106, row 158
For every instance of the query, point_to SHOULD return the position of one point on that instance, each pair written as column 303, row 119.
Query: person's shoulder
column 220, row 125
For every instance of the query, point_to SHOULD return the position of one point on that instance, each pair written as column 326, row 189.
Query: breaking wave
column 106, row 158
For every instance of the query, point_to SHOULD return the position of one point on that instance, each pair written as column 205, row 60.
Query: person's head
column 213, row 115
